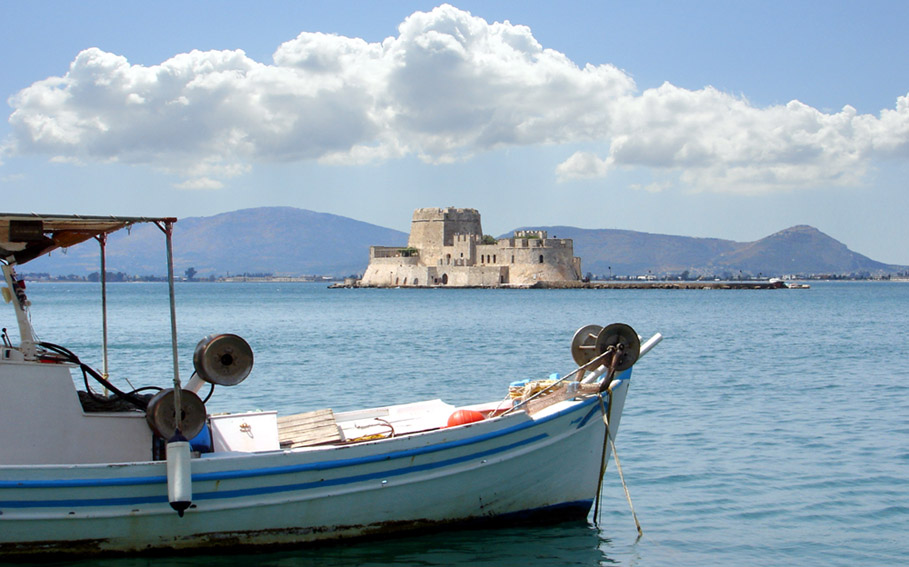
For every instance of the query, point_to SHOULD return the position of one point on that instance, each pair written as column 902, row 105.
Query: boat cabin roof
column 24, row 237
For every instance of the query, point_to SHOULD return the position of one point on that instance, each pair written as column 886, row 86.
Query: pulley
column 624, row 340
column 162, row 417
column 583, row 344
column 225, row 360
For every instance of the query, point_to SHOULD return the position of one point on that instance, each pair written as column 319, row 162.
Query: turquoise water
column 769, row 427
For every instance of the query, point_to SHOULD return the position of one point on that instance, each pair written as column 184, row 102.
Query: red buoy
column 464, row 416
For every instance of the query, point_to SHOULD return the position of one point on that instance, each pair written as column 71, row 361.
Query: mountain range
column 797, row 250
column 290, row 241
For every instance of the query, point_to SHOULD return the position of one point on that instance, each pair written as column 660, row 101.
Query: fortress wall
column 491, row 254
column 542, row 234
column 536, row 243
column 531, row 260
column 462, row 250
column 379, row 252
column 521, row 274
column 542, row 260
column 467, row 276
column 391, row 261
column 391, row 274
column 387, row 275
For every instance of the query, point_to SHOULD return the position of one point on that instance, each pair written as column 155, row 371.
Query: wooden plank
column 307, row 429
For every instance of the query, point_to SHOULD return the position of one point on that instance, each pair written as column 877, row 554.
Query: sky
column 729, row 120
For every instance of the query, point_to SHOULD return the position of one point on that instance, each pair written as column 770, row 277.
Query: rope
column 608, row 442
column 596, row 503
column 595, row 363
column 618, row 466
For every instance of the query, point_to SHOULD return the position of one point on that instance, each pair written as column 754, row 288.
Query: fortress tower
column 437, row 227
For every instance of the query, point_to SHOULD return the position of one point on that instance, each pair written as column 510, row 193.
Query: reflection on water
column 571, row 543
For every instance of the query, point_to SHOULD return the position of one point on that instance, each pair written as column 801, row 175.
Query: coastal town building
column 447, row 247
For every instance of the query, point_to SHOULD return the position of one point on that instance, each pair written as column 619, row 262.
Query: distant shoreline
column 601, row 285
column 337, row 283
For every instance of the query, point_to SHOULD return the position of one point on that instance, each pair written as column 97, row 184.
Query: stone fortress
column 447, row 248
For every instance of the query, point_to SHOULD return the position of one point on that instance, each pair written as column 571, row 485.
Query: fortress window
column 541, row 258
column 493, row 258
column 512, row 258
column 444, row 279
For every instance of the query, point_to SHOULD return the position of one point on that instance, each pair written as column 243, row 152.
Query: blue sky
column 712, row 119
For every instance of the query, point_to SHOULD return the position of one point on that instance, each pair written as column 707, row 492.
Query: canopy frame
column 24, row 237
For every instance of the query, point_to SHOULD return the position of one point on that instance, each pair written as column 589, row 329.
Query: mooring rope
column 596, row 502
column 608, row 442
column 618, row 466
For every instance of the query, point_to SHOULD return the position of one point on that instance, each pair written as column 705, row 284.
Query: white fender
column 179, row 474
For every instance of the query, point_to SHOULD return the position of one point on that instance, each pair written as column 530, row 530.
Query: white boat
column 85, row 473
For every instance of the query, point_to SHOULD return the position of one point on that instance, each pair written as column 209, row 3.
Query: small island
column 447, row 248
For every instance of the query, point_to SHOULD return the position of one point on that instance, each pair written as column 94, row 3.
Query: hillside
column 609, row 251
column 276, row 240
column 802, row 249
column 797, row 250
column 290, row 241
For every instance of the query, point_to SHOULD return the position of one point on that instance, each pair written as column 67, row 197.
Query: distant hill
column 615, row 252
column 276, row 240
column 290, row 241
column 800, row 249
column 797, row 250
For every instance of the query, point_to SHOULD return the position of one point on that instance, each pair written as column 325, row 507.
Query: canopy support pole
column 168, row 228
column 102, row 240
column 179, row 468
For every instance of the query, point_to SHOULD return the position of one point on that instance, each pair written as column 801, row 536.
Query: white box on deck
column 254, row 431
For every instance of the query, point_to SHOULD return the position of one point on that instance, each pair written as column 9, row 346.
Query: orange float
column 464, row 416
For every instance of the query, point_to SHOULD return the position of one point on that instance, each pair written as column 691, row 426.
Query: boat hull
column 502, row 469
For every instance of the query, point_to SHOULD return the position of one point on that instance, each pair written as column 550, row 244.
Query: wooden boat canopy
column 24, row 237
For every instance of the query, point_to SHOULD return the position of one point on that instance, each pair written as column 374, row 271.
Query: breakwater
column 615, row 284
column 662, row 285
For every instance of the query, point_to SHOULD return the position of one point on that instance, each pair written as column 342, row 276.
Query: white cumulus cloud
column 583, row 165
column 201, row 183
column 720, row 142
column 448, row 86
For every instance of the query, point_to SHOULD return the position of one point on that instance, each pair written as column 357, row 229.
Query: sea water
column 770, row 427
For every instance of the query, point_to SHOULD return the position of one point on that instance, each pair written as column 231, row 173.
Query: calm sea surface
column 768, row 428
